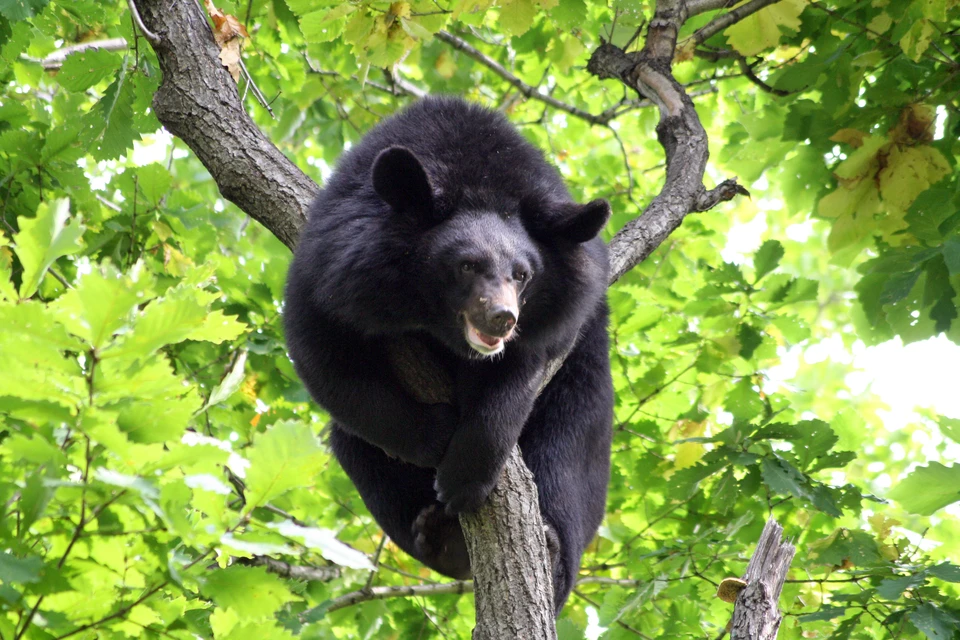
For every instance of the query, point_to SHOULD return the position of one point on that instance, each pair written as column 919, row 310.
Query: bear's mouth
column 481, row 342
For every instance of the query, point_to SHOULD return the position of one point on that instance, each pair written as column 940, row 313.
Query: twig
column 733, row 16
column 153, row 38
column 383, row 593
column 696, row 7
column 56, row 59
column 521, row 86
column 294, row 571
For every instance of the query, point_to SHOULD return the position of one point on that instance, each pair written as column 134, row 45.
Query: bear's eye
column 521, row 276
column 467, row 267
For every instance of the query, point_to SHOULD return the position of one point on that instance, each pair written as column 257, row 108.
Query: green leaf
column 152, row 404
column 34, row 450
column 843, row 545
column 102, row 303
column 230, row 383
column 827, row 612
column 251, row 592
column 945, row 571
column 743, row 401
column 154, row 181
column 19, row 570
column 516, row 16
column 767, row 258
column 782, row 477
column 749, row 339
column 15, row 10
column 167, row 320
column 33, row 500
column 80, row 71
column 110, row 122
column 43, row 239
column 761, row 30
column 951, row 255
column 916, row 41
column 218, row 327
column 893, row 588
column 288, row 455
column 934, row 622
column 928, row 489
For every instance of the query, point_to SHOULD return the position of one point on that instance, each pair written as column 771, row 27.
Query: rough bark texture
column 757, row 616
column 514, row 592
column 679, row 131
column 198, row 102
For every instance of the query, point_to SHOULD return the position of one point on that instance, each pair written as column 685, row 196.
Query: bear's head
column 488, row 255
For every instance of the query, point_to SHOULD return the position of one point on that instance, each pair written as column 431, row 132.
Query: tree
column 142, row 353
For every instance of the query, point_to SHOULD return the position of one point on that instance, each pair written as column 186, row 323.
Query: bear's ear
column 579, row 222
column 402, row 182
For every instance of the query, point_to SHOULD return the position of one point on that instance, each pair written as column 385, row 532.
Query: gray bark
column 757, row 615
column 198, row 102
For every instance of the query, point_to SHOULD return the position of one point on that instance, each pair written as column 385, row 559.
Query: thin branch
column 56, row 59
column 733, row 16
column 151, row 37
column 293, row 571
column 696, row 7
column 383, row 593
column 521, row 86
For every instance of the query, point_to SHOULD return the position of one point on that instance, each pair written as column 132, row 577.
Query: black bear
column 445, row 225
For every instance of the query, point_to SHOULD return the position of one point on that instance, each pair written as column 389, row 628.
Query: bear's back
column 471, row 154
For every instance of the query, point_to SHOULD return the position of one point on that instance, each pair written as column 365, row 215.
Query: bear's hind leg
column 440, row 543
column 402, row 499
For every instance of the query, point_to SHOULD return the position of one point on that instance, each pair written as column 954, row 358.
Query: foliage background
column 155, row 444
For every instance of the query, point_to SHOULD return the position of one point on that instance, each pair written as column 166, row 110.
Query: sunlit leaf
column 43, row 239
column 928, row 489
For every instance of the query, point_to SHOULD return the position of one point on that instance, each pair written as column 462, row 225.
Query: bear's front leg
column 495, row 398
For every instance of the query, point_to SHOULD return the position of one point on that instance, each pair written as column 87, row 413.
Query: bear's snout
column 501, row 318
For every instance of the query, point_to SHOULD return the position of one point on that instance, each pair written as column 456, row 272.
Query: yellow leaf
column 761, row 30
column 880, row 23
column 445, row 65
column 174, row 262
column 863, row 162
column 881, row 524
column 916, row 41
column 688, row 453
column 854, row 209
column 470, row 6
column 908, row 172
column 516, row 16
column 566, row 52
column 851, row 137
column 685, row 51
column 399, row 10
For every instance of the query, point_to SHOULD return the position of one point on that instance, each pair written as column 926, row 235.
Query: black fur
column 441, row 215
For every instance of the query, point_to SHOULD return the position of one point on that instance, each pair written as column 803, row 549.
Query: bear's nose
column 502, row 318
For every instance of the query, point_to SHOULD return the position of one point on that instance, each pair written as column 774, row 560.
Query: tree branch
column 733, row 16
column 696, row 7
column 680, row 133
column 198, row 102
column 383, row 593
column 56, row 59
column 527, row 90
column 294, row 571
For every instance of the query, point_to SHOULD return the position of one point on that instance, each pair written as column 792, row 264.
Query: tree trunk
column 757, row 614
